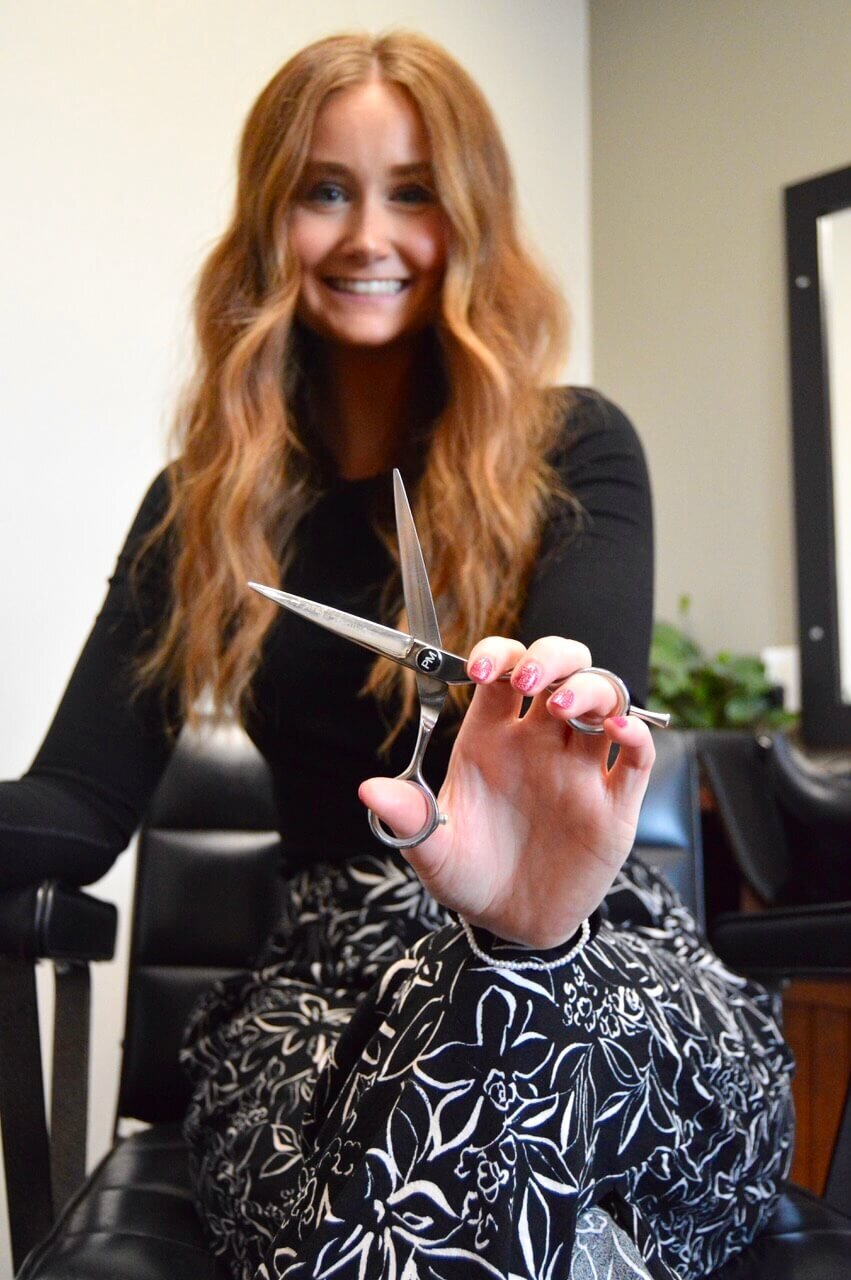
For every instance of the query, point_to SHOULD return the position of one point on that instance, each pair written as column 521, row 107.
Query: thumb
column 400, row 805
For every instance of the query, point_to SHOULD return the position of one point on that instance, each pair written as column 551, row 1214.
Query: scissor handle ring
column 622, row 708
column 431, row 824
column 660, row 719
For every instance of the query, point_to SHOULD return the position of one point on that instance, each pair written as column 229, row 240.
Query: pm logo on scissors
column 428, row 660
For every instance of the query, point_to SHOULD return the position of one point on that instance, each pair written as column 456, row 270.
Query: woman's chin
column 367, row 325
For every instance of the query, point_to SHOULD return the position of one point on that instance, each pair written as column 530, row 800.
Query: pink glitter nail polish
column 620, row 721
column 481, row 668
column 564, row 698
column 527, row 677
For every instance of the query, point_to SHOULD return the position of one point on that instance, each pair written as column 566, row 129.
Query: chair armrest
column 60, row 923
column 787, row 942
column 56, row 922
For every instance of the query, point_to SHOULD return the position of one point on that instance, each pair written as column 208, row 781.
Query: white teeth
column 368, row 286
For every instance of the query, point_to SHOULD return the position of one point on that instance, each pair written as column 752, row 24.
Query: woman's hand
column 537, row 824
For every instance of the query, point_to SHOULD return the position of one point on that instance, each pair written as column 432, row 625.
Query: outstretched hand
column 537, row 824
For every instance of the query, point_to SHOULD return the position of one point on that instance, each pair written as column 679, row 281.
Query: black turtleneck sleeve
column 594, row 580
column 81, row 800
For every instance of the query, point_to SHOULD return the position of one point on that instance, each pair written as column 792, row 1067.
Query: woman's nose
column 368, row 232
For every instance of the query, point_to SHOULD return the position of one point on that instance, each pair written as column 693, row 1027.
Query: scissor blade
column 372, row 635
column 419, row 602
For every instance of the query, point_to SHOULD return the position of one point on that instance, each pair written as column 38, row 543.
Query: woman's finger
column 546, row 661
column 630, row 774
column 589, row 697
column 403, row 808
column 584, row 697
column 400, row 805
column 545, row 667
column 495, row 701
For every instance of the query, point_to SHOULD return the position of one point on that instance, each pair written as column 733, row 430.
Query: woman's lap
column 455, row 1118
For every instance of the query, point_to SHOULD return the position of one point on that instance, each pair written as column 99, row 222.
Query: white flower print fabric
column 376, row 1101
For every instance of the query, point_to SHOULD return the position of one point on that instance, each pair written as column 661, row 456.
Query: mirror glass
column 834, row 254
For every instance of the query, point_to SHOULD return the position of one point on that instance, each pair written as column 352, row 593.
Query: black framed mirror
column 818, row 246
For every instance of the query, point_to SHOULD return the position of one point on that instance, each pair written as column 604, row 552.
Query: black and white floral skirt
column 375, row 1100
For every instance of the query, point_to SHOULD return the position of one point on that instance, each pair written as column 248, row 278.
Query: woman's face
column 367, row 228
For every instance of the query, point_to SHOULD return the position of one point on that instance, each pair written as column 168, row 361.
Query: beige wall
column 701, row 113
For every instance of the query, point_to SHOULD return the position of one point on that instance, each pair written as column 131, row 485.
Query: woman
column 397, row 1090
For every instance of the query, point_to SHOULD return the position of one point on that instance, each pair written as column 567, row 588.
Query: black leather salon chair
column 206, row 895
column 786, row 814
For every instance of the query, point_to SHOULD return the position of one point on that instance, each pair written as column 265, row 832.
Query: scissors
column 435, row 668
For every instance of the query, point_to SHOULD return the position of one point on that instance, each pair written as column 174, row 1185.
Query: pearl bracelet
column 584, row 935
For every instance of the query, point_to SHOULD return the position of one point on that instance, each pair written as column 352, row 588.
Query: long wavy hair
column 247, row 467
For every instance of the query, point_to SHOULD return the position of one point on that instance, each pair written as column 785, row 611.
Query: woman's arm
column 538, row 824
column 81, row 800
column 594, row 580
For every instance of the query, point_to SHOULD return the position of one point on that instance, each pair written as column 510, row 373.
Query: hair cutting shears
column 421, row 650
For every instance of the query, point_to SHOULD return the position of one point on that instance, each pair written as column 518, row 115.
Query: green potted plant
column 729, row 691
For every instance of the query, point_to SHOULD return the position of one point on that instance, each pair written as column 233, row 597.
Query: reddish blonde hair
column 246, row 471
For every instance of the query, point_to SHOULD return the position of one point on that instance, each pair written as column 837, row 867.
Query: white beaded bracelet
column 584, row 935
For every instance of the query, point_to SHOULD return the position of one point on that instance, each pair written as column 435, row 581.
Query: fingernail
column 620, row 721
column 563, row 698
column 481, row 668
column 527, row 677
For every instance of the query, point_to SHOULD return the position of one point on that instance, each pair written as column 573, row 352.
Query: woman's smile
column 367, row 288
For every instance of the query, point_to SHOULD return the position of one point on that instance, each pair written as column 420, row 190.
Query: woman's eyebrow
column 419, row 168
column 328, row 166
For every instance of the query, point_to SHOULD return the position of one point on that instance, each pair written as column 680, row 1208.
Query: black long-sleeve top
column 82, row 798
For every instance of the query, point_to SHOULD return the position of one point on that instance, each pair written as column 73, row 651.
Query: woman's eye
column 414, row 193
column 326, row 193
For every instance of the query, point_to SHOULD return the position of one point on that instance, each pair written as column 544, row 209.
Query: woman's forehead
column 377, row 120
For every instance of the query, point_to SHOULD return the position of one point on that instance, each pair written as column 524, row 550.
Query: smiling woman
column 395, row 1090
column 459, row 358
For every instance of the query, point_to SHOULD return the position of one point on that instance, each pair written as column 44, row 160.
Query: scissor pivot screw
column 428, row 660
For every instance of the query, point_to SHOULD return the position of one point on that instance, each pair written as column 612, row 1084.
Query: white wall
column 118, row 127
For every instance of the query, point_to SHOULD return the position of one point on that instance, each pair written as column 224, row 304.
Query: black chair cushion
column 805, row 1240
column 134, row 1219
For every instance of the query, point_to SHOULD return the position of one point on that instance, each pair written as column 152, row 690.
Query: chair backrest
column 208, row 890
column 669, row 833
column 207, row 895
